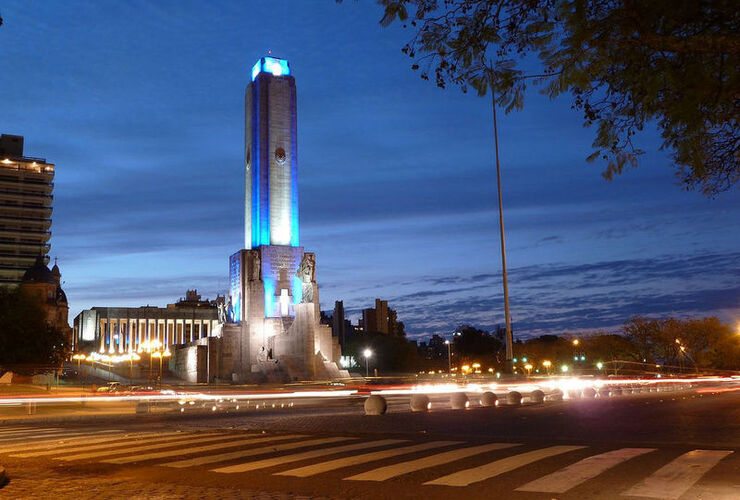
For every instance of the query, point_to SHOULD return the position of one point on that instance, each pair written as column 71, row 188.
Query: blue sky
column 140, row 106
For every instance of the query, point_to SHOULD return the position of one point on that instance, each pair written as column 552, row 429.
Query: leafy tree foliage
column 27, row 343
column 471, row 344
column 391, row 354
column 695, row 343
column 626, row 64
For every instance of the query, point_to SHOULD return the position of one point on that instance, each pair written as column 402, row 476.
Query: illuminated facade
column 118, row 330
column 273, row 305
column 270, row 156
column 26, row 186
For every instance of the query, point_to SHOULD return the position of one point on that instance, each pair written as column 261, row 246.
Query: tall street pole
column 507, row 313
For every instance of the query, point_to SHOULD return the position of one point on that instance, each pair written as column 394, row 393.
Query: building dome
column 39, row 273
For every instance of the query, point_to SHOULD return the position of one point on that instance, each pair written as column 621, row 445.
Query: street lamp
column 79, row 357
column 547, row 364
column 161, row 354
column 449, row 356
column 367, row 353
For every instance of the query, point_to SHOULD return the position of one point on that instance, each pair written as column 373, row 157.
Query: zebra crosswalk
column 431, row 464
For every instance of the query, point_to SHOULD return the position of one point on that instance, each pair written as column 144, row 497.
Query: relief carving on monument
column 255, row 266
column 307, row 273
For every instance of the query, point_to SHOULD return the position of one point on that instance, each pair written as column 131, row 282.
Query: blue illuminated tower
column 272, row 255
column 273, row 327
column 270, row 156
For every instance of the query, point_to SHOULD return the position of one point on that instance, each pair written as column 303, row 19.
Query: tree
column 626, row 64
column 27, row 343
column 390, row 354
column 474, row 345
column 692, row 343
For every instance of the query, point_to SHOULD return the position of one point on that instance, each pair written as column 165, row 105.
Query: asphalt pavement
column 681, row 445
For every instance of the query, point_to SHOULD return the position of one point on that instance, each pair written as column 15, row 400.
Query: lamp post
column 367, row 353
column 547, row 364
column 79, row 357
column 507, row 314
column 449, row 356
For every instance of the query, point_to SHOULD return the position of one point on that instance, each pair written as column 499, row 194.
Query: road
column 675, row 445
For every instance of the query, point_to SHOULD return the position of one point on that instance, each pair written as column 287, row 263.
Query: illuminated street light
column 528, row 367
column 366, row 354
column 160, row 355
column 79, row 357
column 547, row 364
column 599, row 365
column 564, row 368
column 449, row 356
column 576, row 342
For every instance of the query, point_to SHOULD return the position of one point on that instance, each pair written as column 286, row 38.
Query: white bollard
column 537, row 396
column 459, row 401
column 420, row 402
column 514, row 398
column 488, row 399
column 375, row 405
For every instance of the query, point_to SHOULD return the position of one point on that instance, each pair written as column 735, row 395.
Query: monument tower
column 273, row 297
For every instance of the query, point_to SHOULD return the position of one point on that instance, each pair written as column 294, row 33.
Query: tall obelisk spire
column 271, row 156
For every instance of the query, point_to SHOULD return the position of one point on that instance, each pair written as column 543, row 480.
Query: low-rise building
column 126, row 329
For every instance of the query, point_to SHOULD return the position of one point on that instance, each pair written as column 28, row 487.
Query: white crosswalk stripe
column 492, row 469
column 271, row 462
column 223, row 457
column 61, row 440
column 193, row 439
column 588, row 468
column 31, row 436
column 192, row 450
column 395, row 470
column 312, row 470
column 23, row 430
column 262, row 451
column 675, row 478
column 57, row 450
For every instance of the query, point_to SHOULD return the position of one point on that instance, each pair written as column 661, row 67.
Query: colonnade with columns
column 122, row 335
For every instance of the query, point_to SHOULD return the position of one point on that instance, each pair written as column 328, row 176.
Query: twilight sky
column 140, row 105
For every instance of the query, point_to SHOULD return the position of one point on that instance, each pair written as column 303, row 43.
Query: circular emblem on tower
column 280, row 156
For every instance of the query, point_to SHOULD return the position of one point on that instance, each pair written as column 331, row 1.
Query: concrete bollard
column 537, row 396
column 616, row 391
column 459, row 401
column 420, row 402
column 488, row 399
column 375, row 405
column 589, row 392
column 514, row 398
column 604, row 392
column 555, row 395
column 574, row 393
